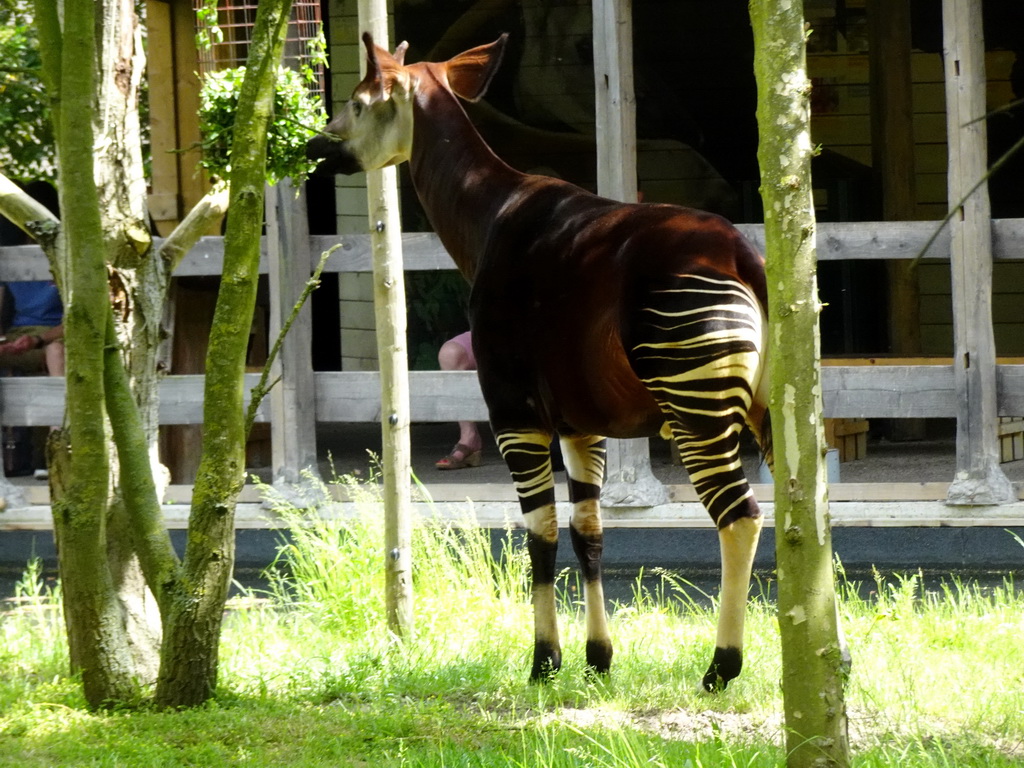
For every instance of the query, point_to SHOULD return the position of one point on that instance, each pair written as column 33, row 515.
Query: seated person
column 33, row 344
column 456, row 354
column 34, row 340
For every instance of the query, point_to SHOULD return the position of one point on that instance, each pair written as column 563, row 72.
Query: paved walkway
column 930, row 461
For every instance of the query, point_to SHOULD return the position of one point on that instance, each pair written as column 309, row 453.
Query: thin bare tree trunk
column 812, row 661
column 389, row 309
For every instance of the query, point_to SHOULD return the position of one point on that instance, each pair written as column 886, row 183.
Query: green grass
column 310, row 677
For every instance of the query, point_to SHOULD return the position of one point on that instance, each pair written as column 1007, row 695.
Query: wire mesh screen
column 236, row 21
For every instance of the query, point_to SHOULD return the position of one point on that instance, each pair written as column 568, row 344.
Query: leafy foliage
column 26, row 136
column 297, row 116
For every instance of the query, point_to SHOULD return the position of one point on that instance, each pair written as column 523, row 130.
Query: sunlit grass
column 310, row 675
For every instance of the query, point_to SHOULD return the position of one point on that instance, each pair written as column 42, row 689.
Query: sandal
column 470, row 458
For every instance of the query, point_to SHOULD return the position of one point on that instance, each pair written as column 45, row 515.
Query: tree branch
column 262, row 388
column 207, row 211
column 23, row 210
column 160, row 563
column 952, row 211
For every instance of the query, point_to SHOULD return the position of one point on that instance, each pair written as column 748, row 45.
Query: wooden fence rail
column 871, row 392
column 423, row 251
column 850, row 391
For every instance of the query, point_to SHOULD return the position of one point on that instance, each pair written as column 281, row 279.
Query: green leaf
column 297, row 116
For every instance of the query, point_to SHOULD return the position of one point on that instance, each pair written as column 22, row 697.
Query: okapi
column 591, row 318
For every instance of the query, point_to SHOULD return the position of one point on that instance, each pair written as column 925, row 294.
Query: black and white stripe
column 699, row 351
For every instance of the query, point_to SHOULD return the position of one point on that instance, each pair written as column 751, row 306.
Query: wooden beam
column 892, row 111
column 629, row 479
column 423, row 252
column 253, row 514
column 193, row 183
column 293, row 425
column 615, row 101
column 893, row 166
column 849, row 391
column 164, row 198
column 979, row 478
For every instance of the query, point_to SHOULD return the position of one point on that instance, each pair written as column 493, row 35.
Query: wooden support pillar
column 389, row 312
column 892, row 159
column 293, row 398
column 979, row 478
column 164, row 200
column 615, row 100
column 629, row 482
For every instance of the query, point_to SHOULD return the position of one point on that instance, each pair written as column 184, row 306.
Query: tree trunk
column 389, row 316
column 105, row 493
column 137, row 287
column 192, row 622
column 96, row 629
column 812, row 685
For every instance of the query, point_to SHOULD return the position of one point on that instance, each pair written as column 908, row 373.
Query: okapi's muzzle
column 333, row 155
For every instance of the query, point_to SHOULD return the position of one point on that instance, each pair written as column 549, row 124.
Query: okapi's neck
column 460, row 182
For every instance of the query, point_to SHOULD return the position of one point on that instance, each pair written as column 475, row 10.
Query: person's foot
column 41, row 474
column 460, row 457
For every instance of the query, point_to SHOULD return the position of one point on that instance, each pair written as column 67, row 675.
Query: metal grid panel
column 236, row 20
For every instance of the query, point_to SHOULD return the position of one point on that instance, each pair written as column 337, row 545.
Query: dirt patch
column 865, row 729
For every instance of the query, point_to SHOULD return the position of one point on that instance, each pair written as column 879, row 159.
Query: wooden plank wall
column 358, row 331
column 842, row 120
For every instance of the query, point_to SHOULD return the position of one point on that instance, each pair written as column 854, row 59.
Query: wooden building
column 889, row 108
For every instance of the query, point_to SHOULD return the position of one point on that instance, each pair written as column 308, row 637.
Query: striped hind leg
column 584, row 464
column 716, row 471
column 527, row 454
column 697, row 346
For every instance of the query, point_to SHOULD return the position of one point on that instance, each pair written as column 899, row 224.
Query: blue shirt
column 36, row 302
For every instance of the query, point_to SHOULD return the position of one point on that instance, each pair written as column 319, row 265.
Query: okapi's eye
column 357, row 107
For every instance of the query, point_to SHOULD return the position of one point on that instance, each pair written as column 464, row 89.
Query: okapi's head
column 375, row 127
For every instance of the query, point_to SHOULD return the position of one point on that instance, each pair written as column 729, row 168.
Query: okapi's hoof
column 547, row 660
column 725, row 665
column 599, row 656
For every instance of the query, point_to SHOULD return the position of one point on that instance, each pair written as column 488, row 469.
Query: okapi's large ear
column 471, row 72
column 383, row 70
column 399, row 53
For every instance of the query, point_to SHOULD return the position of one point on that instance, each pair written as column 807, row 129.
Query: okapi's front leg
column 584, row 464
column 528, row 456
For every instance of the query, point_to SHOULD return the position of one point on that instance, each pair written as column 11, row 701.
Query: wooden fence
column 850, row 391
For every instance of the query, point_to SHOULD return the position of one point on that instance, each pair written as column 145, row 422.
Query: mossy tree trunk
column 812, row 665
column 96, row 631
column 106, row 491
column 188, row 669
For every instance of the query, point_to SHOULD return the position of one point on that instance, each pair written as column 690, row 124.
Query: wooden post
column 293, row 413
column 892, row 158
column 389, row 312
column 979, row 478
column 630, row 482
column 164, row 200
column 615, row 101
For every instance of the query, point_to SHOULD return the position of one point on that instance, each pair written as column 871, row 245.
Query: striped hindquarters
column 698, row 349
